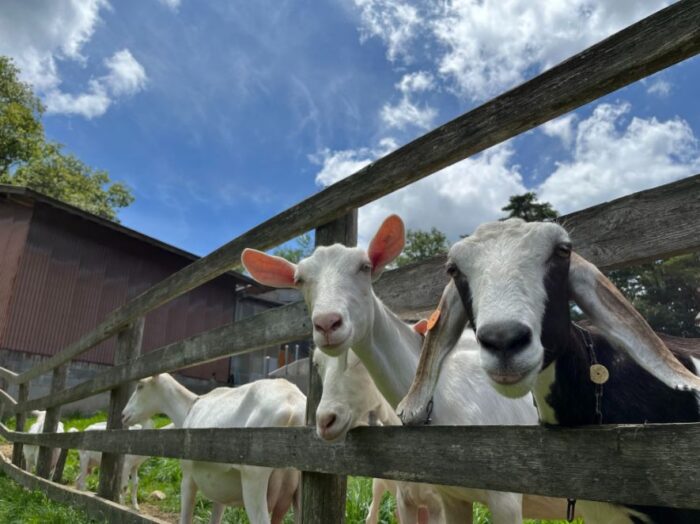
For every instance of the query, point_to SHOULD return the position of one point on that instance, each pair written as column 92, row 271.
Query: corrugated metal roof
column 74, row 271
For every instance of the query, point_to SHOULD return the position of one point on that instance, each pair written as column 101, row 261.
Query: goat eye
column 563, row 250
column 298, row 281
column 139, row 386
column 365, row 268
column 452, row 269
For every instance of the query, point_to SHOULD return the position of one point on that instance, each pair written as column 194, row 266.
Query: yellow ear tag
column 599, row 374
column 434, row 317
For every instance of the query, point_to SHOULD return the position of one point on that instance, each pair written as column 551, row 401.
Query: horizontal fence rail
column 94, row 506
column 646, row 225
column 659, row 41
column 650, row 464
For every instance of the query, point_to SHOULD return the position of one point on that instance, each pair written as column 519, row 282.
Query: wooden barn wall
column 14, row 226
column 74, row 272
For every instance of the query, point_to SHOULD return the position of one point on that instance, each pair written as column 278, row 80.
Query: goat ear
column 387, row 244
column 624, row 326
column 421, row 327
column 267, row 269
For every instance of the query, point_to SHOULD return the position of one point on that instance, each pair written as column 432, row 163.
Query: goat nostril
column 337, row 324
column 504, row 336
column 328, row 421
column 327, row 323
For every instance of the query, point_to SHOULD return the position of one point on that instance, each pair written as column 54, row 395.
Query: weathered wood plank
column 99, row 509
column 60, row 466
column 668, row 224
column 112, row 465
column 323, row 495
column 20, row 421
column 644, row 464
column 53, row 417
column 7, row 375
column 657, row 42
column 271, row 327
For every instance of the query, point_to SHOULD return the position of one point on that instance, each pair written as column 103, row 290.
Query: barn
column 62, row 270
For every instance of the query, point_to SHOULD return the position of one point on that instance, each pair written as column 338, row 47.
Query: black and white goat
column 512, row 281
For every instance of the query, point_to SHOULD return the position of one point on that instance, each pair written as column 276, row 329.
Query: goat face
column 349, row 395
column 144, row 402
column 336, row 282
column 512, row 279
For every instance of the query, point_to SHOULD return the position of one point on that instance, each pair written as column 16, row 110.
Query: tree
column 421, row 245
column 302, row 248
column 665, row 292
column 525, row 206
column 28, row 159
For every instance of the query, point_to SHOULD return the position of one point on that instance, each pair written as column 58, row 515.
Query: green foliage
column 666, row 292
column 525, row 206
column 19, row 506
column 28, row 159
column 421, row 245
column 300, row 248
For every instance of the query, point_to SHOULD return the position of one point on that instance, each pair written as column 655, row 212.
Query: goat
column 264, row 403
column 31, row 453
column 337, row 285
column 512, row 281
column 349, row 400
column 130, row 470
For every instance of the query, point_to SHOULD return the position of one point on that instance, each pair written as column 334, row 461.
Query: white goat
column 350, row 399
column 265, row 403
column 337, row 286
column 31, row 453
column 130, row 471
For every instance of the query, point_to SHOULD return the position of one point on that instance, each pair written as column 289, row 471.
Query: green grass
column 157, row 473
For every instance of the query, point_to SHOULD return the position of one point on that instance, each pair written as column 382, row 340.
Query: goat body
column 31, row 453
column 264, row 403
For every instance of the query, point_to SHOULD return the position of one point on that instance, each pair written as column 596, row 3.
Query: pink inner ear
column 267, row 269
column 421, row 327
column 387, row 242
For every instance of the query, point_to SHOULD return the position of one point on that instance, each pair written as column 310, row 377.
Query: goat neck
column 390, row 352
column 177, row 401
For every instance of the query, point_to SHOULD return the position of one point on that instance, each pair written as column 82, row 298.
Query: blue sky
column 220, row 114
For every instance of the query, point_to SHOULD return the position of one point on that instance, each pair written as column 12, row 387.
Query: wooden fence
column 650, row 464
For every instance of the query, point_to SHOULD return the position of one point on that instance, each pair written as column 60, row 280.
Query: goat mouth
column 506, row 379
column 335, row 347
column 332, row 435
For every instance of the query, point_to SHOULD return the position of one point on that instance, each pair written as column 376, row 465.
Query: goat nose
column 327, row 420
column 327, row 323
column 509, row 336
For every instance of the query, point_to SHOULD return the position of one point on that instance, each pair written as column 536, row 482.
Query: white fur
column 332, row 282
column 542, row 388
column 351, row 398
column 130, row 470
column 265, row 403
column 31, row 453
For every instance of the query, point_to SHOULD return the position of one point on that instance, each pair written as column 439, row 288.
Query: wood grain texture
column 271, row 327
column 651, row 224
column 643, row 464
column 7, row 375
column 659, row 41
column 323, row 495
column 21, row 420
column 99, row 509
column 112, row 465
column 53, row 417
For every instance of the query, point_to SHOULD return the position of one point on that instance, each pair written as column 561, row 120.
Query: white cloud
column 486, row 46
column 39, row 35
column 661, row 88
column 126, row 76
column 407, row 113
column 455, row 200
column 336, row 165
column 393, row 21
column 614, row 155
column 172, row 4
column 416, row 82
column 562, row 128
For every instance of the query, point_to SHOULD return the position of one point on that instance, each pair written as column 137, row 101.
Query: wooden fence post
column 128, row 347
column 323, row 495
column 20, row 419
column 53, row 416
